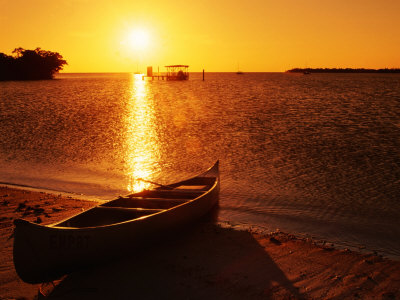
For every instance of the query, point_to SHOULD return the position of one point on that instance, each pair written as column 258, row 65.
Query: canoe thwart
column 197, row 181
column 145, row 203
column 160, row 193
column 134, row 209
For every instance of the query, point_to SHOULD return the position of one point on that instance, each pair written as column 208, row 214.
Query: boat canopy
column 177, row 72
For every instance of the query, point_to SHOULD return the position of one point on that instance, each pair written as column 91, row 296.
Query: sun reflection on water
column 141, row 136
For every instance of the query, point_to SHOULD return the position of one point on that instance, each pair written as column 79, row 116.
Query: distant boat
column 306, row 72
column 177, row 72
column 137, row 70
column 238, row 71
column 45, row 252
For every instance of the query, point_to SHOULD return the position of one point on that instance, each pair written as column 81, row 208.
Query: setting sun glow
column 138, row 39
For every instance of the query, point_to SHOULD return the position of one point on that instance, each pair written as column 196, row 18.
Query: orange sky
column 259, row 35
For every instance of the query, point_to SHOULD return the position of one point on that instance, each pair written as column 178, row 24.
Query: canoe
column 43, row 253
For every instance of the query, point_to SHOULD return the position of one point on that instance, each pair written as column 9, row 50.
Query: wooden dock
column 155, row 76
column 174, row 72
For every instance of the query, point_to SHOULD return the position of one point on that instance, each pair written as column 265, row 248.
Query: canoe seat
column 192, row 188
column 199, row 181
column 145, row 203
column 170, row 194
column 144, row 211
column 188, row 189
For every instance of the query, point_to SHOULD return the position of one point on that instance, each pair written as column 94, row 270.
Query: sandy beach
column 206, row 261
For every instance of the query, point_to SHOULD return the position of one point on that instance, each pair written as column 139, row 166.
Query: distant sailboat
column 238, row 71
column 137, row 70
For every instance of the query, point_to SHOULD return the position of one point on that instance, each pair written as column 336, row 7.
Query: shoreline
column 345, row 70
column 361, row 248
column 319, row 242
column 217, row 261
column 50, row 191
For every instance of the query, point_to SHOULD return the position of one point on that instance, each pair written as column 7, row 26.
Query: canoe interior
column 99, row 217
column 141, row 204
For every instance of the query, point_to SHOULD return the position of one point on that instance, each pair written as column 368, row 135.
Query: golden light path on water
column 141, row 138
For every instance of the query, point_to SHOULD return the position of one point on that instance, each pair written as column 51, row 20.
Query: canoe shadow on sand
column 204, row 262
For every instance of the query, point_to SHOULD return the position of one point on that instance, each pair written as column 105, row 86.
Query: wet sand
column 206, row 261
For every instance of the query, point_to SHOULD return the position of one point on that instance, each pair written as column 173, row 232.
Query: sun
column 138, row 39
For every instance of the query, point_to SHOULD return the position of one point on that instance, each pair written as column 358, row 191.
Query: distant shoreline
column 296, row 70
column 341, row 70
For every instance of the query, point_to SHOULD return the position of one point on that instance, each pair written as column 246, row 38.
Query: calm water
column 314, row 155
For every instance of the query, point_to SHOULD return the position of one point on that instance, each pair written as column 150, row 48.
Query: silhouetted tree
column 30, row 64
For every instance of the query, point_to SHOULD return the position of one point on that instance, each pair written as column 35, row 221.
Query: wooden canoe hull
column 44, row 253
